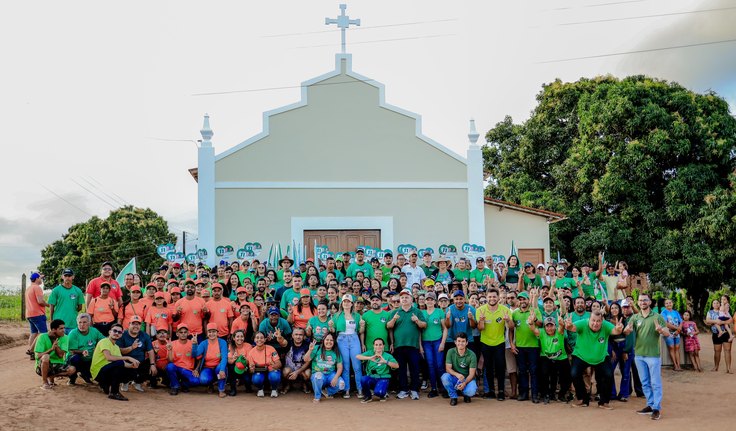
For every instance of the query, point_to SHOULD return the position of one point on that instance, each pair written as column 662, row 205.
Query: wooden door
column 339, row 241
column 533, row 255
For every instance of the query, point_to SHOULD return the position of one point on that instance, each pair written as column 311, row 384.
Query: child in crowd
column 692, row 344
column 724, row 314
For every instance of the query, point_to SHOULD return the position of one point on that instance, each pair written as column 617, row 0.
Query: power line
column 93, row 194
column 361, row 28
column 253, row 90
column 116, row 201
column 640, row 51
column 111, row 191
column 58, row 196
column 644, row 16
column 382, row 40
column 597, row 5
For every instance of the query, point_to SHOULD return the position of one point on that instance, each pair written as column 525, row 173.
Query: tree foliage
column 127, row 232
column 642, row 167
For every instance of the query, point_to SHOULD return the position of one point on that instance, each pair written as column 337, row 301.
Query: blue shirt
column 459, row 322
column 672, row 317
column 139, row 352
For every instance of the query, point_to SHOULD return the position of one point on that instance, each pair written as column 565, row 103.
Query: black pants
column 603, row 379
column 78, row 361
column 408, row 357
column 111, row 375
column 234, row 378
column 550, row 372
column 494, row 362
column 142, row 373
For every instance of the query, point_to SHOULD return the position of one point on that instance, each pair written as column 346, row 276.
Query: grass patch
column 10, row 306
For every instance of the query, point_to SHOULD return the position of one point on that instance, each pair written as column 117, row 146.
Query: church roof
column 551, row 216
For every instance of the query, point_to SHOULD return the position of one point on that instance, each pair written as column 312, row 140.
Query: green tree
column 641, row 168
column 127, row 232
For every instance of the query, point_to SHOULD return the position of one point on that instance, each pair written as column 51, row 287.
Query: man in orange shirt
column 221, row 311
column 181, row 361
column 35, row 311
column 93, row 288
column 192, row 310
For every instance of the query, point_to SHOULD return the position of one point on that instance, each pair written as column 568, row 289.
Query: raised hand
column 620, row 324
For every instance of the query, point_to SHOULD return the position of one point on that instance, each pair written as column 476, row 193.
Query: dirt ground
column 690, row 400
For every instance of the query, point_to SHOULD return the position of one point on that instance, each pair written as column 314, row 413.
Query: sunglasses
column 116, row 331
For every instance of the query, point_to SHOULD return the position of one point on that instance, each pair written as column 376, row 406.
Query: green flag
column 127, row 269
column 513, row 249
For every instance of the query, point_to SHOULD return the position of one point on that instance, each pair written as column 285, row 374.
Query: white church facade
column 320, row 171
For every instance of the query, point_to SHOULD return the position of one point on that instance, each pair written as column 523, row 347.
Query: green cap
column 523, row 295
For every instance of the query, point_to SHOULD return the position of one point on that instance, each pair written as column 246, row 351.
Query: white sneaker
column 414, row 395
column 425, row 385
column 360, row 394
column 138, row 387
column 346, row 395
column 401, row 395
column 124, row 387
column 260, row 393
column 274, row 394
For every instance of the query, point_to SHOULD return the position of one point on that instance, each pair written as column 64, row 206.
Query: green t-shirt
column 88, row 341
column 324, row 365
column 98, row 358
column 365, row 267
column 565, row 283
column 374, row 369
column 523, row 334
column 512, row 275
column 66, row 302
column 552, row 346
column 462, row 364
column 647, row 337
column 433, row 331
column 243, row 275
column 375, row 326
column 406, row 332
column 319, row 329
column 386, row 273
column 528, row 282
column 480, row 275
column 428, row 270
column 494, row 331
column 44, row 343
column 592, row 347
column 573, row 336
column 288, row 298
column 461, row 275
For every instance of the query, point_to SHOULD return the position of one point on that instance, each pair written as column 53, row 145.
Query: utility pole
column 184, row 242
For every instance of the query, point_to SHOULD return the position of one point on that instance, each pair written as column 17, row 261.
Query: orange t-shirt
column 300, row 319
column 239, row 324
column 162, row 354
column 183, row 354
column 131, row 310
column 263, row 358
column 159, row 318
column 93, row 288
column 148, row 302
column 220, row 312
column 33, row 308
column 100, row 310
column 213, row 356
column 242, row 350
column 191, row 313
column 252, row 305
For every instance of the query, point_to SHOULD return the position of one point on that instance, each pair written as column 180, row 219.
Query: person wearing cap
column 137, row 344
column 109, row 366
column 530, row 279
column 106, row 276
column 303, row 310
column 246, row 322
column 375, row 321
column 103, row 309
column 276, row 330
column 174, row 272
column 554, row 365
column 192, row 311
column 443, row 302
column 359, row 265
column 35, row 311
column 493, row 320
column 433, row 342
column 181, row 361
column 211, row 360
column 135, row 307
column 414, row 273
column 81, row 345
column 460, row 367
column 407, row 322
column 388, row 264
column 591, row 350
column 158, row 316
column 66, row 301
column 482, row 274
column 161, row 353
column 220, row 311
column 264, row 363
column 526, row 346
column 459, row 317
column 349, row 327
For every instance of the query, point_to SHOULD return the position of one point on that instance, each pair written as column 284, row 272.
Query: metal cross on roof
column 343, row 22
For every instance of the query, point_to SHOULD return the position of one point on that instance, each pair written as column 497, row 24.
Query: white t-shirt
column 413, row 275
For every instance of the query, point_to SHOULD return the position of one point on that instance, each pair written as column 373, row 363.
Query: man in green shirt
column 388, row 263
column 291, row 296
column 493, row 319
column 66, row 301
column 360, row 265
column 82, row 342
column 591, row 350
column 460, row 366
column 50, row 351
column 426, row 265
column 648, row 327
column 375, row 322
column 482, row 274
column 462, row 270
column 407, row 323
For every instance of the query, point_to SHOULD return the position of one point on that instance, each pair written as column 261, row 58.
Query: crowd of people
column 368, row 328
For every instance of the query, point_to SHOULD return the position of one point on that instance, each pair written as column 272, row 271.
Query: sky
column 102, row 103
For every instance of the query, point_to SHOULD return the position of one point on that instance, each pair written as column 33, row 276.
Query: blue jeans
column 208, row 375
column 625, row 367
column 435, row 364
column 379, row 386
column 274, row 377
column 650, row 373
column 321, row 380
column 449, row 382
column 526, row 362
column 349, row 346
column 176, row 373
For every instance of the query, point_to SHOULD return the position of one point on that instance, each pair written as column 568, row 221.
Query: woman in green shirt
column 378, row 366
column 433, row 342
column 109, row 367
column 350, row 330
column 318, row 326
column 510, row 274
column 326, row 365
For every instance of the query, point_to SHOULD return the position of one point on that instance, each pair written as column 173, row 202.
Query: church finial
column 206, row 132
column 343, row 22
column 473, row 135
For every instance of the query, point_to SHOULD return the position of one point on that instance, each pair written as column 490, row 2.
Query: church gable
column 341, row 131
